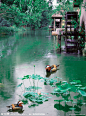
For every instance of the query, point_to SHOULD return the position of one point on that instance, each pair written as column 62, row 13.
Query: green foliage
column 7, row 30
column 30, row 92
column 26, row 12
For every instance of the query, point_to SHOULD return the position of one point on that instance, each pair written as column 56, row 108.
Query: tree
column 36, row 13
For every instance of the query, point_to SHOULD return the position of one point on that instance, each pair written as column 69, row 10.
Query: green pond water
column 18, row 55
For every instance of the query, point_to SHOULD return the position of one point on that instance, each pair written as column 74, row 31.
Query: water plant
column 71, row 93
column 31, row 92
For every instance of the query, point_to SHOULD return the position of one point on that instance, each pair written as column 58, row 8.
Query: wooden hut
column 56, row 21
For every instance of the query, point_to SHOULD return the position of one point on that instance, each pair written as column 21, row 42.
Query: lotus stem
column 30, row 82
column 24, row 86
column 34, row 69
column 37, row 86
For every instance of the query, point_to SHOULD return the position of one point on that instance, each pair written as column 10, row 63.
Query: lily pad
column 36, row 77
column 83, row 93
column 72, row 108
column 33, row 105
column 76, row 82
column 59, row 100
column 19, row 85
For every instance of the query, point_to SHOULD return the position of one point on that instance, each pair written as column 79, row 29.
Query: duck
column 17, row 106
column 52, row 68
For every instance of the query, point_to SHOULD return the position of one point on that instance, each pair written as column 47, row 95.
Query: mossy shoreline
column 10, row 30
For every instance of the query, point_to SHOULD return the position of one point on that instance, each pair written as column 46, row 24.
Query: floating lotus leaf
column 75, row 97
column 59, row 100
column 65, row 86
column 74, row 102
column 83, row 93
column 39, row 99
column 33, row 105
column 65, row 108
column 27, row 76
column 51, row 81
column 57, row 90
column 68, row 100
column 76, row 82
column 73, row 88
column 25, row 101
column 52, row 85
column 63, row 82
column 72, row 108
column 57, row 95
column 65, row 96
column 79, row 102
column 19, row 85
column 73, row 83
column 59, row 83
column 35, row 77
column 83, row 88
column 77, row 108
column 22, row 78
column 28, row 94
column 78, row 85
column 58, row 106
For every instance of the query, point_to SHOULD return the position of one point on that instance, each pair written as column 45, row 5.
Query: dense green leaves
column 26, row 12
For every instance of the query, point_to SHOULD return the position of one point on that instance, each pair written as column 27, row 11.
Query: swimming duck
column 52, row 68
column 17, row 106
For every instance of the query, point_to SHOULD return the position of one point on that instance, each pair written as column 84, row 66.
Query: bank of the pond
column 10, row 30
column 4, row 30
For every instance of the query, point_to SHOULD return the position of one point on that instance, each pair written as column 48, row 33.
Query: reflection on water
column 19, row 54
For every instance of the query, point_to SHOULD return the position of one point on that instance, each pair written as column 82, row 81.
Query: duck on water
column 52, row 68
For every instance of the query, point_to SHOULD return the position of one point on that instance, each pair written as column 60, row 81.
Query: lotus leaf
column 25, row 101
column 65, row 108
column 19, row 85
column 72, row 108
column 22, row 78
column 63, row 82
column 65, row 96
column 77, row 81
column 28, row 94
column 73, row 83
column 77, row 108
column 51, row 81
column 83, row 88
column 35, row 77
column 27, row 76
column 59, row 100
column 78, row 85
column 33, row 105
column 83, row 93
column 75, row 97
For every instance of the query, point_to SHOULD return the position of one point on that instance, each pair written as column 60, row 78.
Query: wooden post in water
column 54, row 24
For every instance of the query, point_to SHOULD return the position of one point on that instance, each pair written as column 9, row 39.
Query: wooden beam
column 54, row 24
